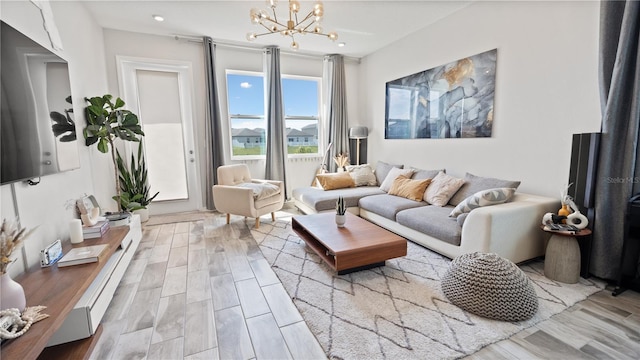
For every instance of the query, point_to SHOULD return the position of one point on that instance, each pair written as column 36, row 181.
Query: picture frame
column 454, row 100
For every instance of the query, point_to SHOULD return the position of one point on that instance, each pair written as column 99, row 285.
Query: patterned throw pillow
column 362, row 175
column 392, row 175
column 410, row 189
column 474, row 183
column 442, row 188
column 483, row 198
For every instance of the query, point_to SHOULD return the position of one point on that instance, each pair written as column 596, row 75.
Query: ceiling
column 364, row 26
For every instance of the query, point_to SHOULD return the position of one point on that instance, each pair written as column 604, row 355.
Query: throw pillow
column 473, row 184
column 362, row 175
column 410, row 189
column 442, row 188
column 333, row 181
column 461, row 218
column 392, row 175
column 382, row 170
column 420, row 174
column 483, row 198
column 261, row 190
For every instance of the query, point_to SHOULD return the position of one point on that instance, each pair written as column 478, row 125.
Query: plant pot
column 11, row 294
column 340, row 220
column 144, row 214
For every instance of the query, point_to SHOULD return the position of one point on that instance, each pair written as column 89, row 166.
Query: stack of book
column 82, row 255
column 95, row 231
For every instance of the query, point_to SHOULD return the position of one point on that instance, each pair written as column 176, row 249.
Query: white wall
column 49, row 206
column 546, row 90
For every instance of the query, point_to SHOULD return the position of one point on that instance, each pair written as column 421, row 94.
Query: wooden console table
column 59, row 289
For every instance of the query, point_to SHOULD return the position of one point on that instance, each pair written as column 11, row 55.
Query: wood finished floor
column 197, row 291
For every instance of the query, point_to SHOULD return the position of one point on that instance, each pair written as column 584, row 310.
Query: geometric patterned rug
column 397, row 311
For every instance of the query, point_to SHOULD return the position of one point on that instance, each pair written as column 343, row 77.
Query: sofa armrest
column 511, row 229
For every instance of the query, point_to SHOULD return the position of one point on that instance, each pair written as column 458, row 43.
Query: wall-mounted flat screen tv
column 37, row 128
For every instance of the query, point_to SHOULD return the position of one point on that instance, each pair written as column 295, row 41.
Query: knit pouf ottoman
column 490, row 286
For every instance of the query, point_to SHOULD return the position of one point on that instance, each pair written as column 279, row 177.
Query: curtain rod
column 195, row 39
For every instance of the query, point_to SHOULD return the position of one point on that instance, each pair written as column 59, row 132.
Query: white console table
column 76, row 298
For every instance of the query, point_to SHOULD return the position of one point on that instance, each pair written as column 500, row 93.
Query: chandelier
column 310, row 24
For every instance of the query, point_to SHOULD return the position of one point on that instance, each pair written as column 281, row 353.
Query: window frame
column 319, row 118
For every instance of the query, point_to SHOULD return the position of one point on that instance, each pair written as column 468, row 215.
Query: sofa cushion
column 483, row 198
column 321, row 200
column 362, row 175
column 392, row 175
column 441, row 189
column 388, row 205
column 410, row 189
column 332, row 181
column 419, row 174
column 382, row 169
column 433, row 221
column 473, row 184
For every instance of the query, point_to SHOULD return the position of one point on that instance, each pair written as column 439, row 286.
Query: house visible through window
column 246, row 97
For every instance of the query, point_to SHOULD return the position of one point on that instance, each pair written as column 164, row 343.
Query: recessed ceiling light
column 157, row 17
column 341, row 44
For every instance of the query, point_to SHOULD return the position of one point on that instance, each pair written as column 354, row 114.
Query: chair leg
column 228, row 218
column 257, row 222
column 273, row 216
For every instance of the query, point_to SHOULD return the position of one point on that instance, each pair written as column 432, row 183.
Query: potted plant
column 341, row 209
column 106, row 122
column 134, row 185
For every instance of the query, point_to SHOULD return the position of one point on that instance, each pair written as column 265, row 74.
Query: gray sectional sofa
column 511, row 229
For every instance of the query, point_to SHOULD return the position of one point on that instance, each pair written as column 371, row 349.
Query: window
column 246, row 97
column 301, row 101
column 245, row 92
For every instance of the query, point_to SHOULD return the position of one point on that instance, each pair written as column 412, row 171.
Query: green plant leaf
column 119, row 103
column 103, row 145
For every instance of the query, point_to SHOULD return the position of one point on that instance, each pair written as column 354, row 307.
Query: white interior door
column 159, row 92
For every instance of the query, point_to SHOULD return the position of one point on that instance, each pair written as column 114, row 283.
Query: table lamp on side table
column 358, row 133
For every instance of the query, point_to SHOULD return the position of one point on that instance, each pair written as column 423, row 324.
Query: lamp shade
column 358, row 132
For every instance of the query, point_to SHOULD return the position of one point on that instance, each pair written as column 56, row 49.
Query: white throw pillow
column 261, row 190
column 362, row 175
column 392, row 175
column 442, row 188
column 483, row 198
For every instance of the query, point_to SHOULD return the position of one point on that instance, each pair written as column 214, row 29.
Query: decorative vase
column 564, row 211
column 340, row 220
column 11, row 294
column 144, row 214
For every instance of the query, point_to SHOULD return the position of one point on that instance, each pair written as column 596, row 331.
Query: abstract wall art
column 454, row 100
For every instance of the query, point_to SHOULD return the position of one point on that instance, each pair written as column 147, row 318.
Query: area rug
column 397, row 311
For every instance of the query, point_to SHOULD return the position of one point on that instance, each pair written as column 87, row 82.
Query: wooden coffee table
column 359, row 245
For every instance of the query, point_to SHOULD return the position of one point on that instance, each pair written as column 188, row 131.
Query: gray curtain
column 336, row 107
column 276, row 156
column 619, row 74
column 213, row 128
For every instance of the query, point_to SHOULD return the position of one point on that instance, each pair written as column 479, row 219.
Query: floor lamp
column 358, row 133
